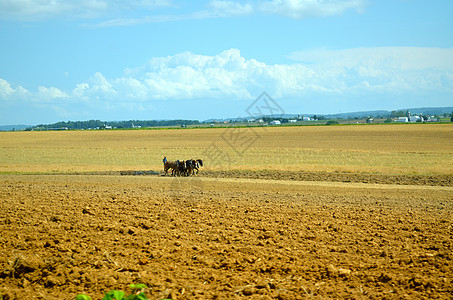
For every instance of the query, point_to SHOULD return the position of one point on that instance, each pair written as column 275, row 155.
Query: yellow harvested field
column 392, row 149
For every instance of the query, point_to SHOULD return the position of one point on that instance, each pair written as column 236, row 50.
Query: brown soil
column 433, row 180
column 236, row 234
column 422, row 179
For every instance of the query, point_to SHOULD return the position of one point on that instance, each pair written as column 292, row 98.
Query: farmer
column 164, row 160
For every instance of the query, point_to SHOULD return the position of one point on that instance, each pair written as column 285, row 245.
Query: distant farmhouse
column 416, row 118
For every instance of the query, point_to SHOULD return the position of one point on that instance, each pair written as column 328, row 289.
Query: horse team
column 183, row 167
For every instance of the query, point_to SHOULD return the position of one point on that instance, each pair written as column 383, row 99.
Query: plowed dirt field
column 221, row 237
column 275, row 213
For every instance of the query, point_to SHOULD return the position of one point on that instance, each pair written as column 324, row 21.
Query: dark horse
column 193, row 165
column 177, row 167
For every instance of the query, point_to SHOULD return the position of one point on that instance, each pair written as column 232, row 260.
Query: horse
column 199, row 163
column 181, row 169
column 193, row 165
column 176, row 167
column 169, row 165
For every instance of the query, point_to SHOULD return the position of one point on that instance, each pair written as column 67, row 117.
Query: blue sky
column 66, row 60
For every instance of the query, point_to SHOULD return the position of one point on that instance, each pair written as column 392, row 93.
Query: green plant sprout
column 137, row 293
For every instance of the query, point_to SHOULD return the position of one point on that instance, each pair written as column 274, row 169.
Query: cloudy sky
column 66, row 60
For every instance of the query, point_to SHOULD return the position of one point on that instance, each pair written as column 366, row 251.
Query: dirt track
column 205, row 238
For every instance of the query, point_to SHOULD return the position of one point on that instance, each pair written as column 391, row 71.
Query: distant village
column 395, row 117
column 417, row 118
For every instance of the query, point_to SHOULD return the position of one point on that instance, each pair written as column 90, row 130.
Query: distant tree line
column 97, row 124
column 399, row 113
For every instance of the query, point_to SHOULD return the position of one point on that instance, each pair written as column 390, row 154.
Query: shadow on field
column 151, row 172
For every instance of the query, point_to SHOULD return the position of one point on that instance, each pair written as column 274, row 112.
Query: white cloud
column 403, row 58
column 361, row 72
column 230, row 8
column 49, row 94
column 7, row 92
column 20, row 94
column 127, row 13
column 80, row 90
column 137, row 21
column 43, row 9
column 214, row 9
column 384, row 69
column 228, row 75
column 299, row 9
column 99, row 84
column 5, row 89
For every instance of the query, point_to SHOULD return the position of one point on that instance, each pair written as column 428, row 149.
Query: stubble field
column 276, row 213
